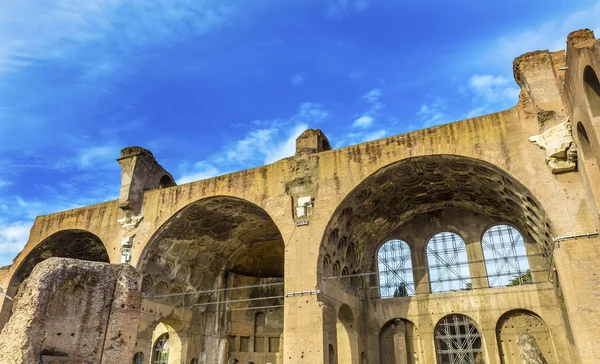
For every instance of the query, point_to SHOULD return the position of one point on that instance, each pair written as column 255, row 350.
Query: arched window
column 194, row 361
column 457, row 341
column 448, row 263
column 138, row 358
column 161, row 350
column 505, row 257
column 395, row 270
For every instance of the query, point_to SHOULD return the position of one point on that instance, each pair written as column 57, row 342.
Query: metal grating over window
column 161, row 350
column 395, row 270
column 457, row 341
column 448, row 263
column 505, row 257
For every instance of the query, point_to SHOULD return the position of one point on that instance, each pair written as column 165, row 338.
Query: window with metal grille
column 457, row 341
column 505, row 257
column 448, row 263
column 395, row 270
column 161, row 350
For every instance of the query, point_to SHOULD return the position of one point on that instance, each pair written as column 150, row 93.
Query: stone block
column 73, row 310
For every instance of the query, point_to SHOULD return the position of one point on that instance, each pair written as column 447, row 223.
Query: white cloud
column 201, row 170
column 311, row 112
column 494, row 89
column 297, row 79
column 271, row 141
column 372, row 96
column 434, row 113
column 286, row 148
column 363, row 122
column 97, row 156
column 478, row 111
column 33, row 31
column 341, row 8
column 375, row 135
column 13, row 237
column 550, row 35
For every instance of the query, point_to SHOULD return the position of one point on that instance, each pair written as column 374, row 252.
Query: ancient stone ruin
column 471, row 242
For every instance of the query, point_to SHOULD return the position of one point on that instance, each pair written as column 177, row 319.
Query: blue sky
column 215, row 86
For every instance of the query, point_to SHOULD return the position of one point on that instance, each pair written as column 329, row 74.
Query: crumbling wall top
column 135, row 150
column 582, row 38
column 312, row 141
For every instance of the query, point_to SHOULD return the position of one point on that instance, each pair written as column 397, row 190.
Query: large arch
column 193, row 267
column 375, row 210
column 76, row 244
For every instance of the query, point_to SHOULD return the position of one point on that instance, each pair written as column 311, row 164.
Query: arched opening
column 138, row 358
column 505, row 257
column 448, row 263
column 588, row 165
column 217, row 266
column 160, row 351
column 194, row 361
column 522, row 333
column 457, row 341
column 75, row 244
column 395, row 270
column 347, row 336
column 332, row 358
column 424, row 194
column 363, row 358
column 166, row 181
column 397, row 342
column 592, row 90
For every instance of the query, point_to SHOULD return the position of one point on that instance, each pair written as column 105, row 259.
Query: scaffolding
column 448, row 263
column 505, row 256
column 395, row 270
column 457, row 341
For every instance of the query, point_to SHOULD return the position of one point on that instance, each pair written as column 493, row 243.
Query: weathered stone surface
column 73, row 309
column 557, row 142
column 529, row 351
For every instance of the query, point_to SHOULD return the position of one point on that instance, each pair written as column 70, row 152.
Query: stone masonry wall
column 73, row 309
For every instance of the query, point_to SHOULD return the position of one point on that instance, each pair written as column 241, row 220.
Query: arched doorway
column 347, row 336
column 75, row 244
column 397, row 342
column 217, row 265
column 522, row 332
